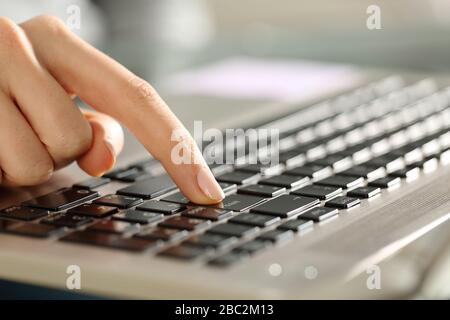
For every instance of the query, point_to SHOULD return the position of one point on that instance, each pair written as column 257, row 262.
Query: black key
column 364, row 192
column 23, row 213
column 68, row 220
column 110, row 241
column 185, row 223
column 238, row 177
column 318, row 214
column 177, row 197
column 92, row 183
column 252, row 246
column 227, row 259
column 32, row 230
column 163, row 207
column 220, row 168
column 389, row 161
column 184, row 252
column 149, row 188
column 342, row 202
column 269, row 169
column 296, row 225
column 385, row 182
column 428, row 164
column 344, row 182
column 132, row 175
column 122, row 202
column 113, row 226
column 285, row 205
column 337, row 161
column 254, row 219
column 136, row 216
column 311, row 170
column 211, row 240
column 227, row 187
column 165, row 234
column 207, row 213
column 93, row 210
column 321, row 192
column 262, row 190
column 277, row 235
column 292, row 158
column 285, row 181
column 233, row 229
column 239, row 202
column 367, row 172
column 62, row 199
column 409, row 172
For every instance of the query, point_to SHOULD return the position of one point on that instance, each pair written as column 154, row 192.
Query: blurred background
column 158, row 37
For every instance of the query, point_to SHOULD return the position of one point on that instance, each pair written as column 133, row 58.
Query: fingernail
column 209, row 185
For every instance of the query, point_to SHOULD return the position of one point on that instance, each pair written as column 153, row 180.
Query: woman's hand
column 42, row 66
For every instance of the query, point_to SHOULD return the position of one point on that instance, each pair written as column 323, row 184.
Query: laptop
column 361, row 174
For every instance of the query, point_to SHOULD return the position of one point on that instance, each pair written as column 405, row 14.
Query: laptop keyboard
column 367, row 140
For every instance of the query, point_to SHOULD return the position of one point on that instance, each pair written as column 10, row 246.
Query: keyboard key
column 211, row 240
column 185, row 223
column 122, row 202
column 136, row 216
column 239, row 202
column 68, row 220
column 254, row 219
column 23, row 213
column 227, row 187
column 110, row 241
column 318, row 214
column 263, row 169
column 285, row 181
column 386, row 182
column 338, row 162
column 6, row 224
column 311, row 170
column 285, row 205
column 163, row 207
column 370, row 173
column 261, row 190
column 409, row 172
column 149, row 188
column 238, row 177
column 227, row 259
column 184, row 252
column 92, row 183
column 364, row 192
column 251, row 247
column 32, row 230
column 164, row 234
column 296, row 225
column 233, row 229
column 344, row 182
column 277, row 235
column 207, row 213
column 342, row 202
column 133, row 175
column 292, row 158
column 113, row 226
column 321, row 192
column 389, row 161
column 93, row 210
column 62, row 199
column 177, row 197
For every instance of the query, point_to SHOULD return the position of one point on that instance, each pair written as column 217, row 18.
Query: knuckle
column 73, row 145
column 10, row 34
column 50, row 24
column 140, row 91
column 39, row 172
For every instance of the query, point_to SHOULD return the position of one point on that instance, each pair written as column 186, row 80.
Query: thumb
column 106, row 144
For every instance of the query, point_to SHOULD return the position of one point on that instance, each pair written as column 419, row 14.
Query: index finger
column 111, row 88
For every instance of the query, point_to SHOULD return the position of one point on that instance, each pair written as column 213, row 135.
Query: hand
column 42, row 65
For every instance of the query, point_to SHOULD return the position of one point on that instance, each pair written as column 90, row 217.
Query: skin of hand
column 43, row 65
